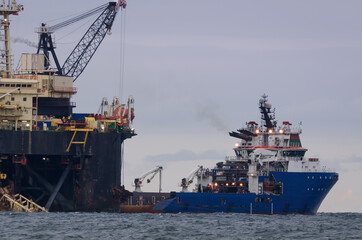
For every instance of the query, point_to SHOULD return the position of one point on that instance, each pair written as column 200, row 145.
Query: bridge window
column 293, row 153
column 238, row 152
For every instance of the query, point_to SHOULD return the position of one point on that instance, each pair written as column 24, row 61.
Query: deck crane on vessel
column 138, row 181
column 87, row 46
column 186, row 182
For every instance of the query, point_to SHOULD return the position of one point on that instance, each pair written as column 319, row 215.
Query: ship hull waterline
column 302, row 194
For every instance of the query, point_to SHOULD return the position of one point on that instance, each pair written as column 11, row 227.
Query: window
column 12, row 99
column 238, row 152
column 18, row 85
column 28, row 85
column 12, row 85
column 293, row 153
column 23, row 85
column 24, row 99
column 2, row 85
column 7, row 85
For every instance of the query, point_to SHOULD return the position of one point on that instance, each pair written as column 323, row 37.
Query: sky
column 197, row 70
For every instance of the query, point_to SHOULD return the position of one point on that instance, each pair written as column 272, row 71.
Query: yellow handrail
column 17, row 202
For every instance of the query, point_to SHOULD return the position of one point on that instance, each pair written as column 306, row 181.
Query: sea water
column 17, row 225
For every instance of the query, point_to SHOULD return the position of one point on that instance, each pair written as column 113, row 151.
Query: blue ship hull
column 303, row 192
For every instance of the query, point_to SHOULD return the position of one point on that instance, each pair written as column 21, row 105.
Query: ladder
column 79, row 142
column 20, row 203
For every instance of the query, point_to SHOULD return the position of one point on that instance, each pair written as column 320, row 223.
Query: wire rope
column 66, row 35
column 122, row 52
column 120, row 89
column 68, row 16
column 122, row 163
column 78, row 18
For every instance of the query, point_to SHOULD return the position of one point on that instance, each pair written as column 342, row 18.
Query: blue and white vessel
column 269, row 174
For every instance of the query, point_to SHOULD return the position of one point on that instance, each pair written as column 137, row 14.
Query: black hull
column 37, row 165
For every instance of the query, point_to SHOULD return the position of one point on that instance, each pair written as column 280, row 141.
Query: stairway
column 20, row 203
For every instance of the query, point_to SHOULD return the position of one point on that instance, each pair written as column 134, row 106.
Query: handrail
column 16, row 203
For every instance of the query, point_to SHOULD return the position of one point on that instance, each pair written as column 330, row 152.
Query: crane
column 138, row 181
column 185, row 182
column 87, row 46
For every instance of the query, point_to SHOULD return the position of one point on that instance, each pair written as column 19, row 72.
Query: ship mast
column 267, row 114
column 7, row 7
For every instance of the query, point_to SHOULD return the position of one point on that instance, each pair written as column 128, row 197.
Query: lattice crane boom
column 87, row 46
column 79, row 58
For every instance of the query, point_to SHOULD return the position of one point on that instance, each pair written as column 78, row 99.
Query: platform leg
column 57, row 188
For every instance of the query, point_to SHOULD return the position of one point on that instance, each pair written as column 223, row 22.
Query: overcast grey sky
column 198, row 68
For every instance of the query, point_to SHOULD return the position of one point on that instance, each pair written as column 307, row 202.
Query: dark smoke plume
column 25, row 41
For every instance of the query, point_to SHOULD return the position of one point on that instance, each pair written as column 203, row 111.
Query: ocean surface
column 17, row 225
